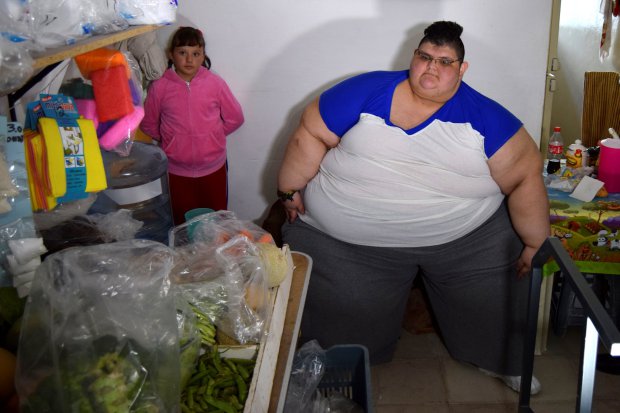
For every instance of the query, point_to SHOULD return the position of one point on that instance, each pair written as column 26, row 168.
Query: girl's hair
column 188, row 36
column 445, row 33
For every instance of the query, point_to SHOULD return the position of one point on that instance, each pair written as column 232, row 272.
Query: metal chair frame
column 599, row 325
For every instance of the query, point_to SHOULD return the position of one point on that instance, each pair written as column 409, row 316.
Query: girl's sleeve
column 230, row 110
column 152, row 111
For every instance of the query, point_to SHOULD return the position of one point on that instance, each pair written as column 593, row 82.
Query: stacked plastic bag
column 20, row 246
column 29, row 26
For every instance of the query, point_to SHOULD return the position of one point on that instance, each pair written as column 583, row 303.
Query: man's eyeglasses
column 441, row 61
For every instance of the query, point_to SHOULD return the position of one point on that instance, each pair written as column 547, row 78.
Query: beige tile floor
column 423, row 378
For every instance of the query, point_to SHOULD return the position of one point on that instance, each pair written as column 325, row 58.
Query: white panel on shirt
column 383, row 187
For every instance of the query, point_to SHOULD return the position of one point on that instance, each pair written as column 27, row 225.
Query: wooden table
column 292, row 321
column 267, row 392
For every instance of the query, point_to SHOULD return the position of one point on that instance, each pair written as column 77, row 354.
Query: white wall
column 579, row 37
column 277, row 55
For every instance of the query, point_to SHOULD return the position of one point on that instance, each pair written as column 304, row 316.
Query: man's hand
column 524, row 264
column 294, row 206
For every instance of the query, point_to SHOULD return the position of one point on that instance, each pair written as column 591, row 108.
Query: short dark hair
column 445, row 33
column 189, row 36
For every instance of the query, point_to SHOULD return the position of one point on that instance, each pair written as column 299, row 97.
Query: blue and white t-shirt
column 385, row 186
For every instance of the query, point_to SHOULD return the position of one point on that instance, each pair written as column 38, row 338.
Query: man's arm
column 304, row 153
column 517, row 169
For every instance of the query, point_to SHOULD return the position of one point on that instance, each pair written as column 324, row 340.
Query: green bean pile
column 219, row 384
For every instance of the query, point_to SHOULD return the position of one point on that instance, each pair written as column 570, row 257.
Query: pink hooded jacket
column 191, row 120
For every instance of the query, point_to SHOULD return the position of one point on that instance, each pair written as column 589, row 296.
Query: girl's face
column 187, row 60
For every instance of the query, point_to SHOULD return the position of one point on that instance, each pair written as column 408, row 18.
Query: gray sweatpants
column 357, row 294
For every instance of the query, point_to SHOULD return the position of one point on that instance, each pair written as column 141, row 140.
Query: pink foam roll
column 88, row 109
column 122, row 129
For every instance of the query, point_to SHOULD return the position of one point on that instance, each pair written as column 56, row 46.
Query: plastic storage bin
column 347, row 370
column 139, row 183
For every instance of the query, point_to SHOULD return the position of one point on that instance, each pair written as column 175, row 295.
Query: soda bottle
column 555, row 151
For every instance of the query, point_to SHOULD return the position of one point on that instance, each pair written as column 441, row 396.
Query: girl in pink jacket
column 190, row 111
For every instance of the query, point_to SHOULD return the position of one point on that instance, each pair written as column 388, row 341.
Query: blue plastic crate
column 347, row 370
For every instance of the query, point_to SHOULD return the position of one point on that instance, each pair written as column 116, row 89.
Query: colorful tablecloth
column 590, row 231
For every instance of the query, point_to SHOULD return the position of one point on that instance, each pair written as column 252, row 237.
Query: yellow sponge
column 95, row 172
column 40, row 198
column 53, row 157
column 47, row 158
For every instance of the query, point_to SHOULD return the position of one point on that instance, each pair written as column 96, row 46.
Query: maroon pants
column 210, row 191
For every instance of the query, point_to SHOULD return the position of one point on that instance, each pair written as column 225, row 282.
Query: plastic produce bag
column 189, row 338
column 99, row 332
column 215, row 229
column 220, row 271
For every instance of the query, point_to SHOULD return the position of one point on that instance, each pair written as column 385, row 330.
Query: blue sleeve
column 341, row 105
column 500, row 125
column 492, row 120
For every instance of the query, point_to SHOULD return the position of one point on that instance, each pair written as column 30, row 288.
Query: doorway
column 576, row 29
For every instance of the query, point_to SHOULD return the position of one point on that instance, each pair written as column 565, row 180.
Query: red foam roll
column 112, row 93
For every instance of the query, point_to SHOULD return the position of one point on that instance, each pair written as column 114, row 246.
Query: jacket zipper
column 189, row 116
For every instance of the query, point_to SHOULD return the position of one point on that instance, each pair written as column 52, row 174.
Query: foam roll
column 101, row 59
column 122, row 129
column 112, row 94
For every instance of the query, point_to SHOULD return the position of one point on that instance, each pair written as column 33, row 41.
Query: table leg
column 561, row 314
column 544, row 311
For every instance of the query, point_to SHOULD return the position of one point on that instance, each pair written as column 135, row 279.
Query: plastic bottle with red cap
column 555, row 151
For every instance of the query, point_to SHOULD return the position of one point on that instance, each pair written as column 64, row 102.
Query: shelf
column 58, row 54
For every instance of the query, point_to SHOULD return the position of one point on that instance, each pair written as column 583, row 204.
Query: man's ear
column 463, row 68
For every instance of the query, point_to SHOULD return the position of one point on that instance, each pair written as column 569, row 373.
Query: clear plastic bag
column 100, row 17
column 308, row 367
column 84, row 230
column 57, row 23
column 22, row 228
column 99, row 330
column 189, row 338
column 220, row 271
column 148, row 11
column 16, row 65
column 215, row 229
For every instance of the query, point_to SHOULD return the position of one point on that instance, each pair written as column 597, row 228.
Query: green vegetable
column 221, row 404
column 218, row 384
column 11, row 306
column 205, row 326
column 117, row 382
